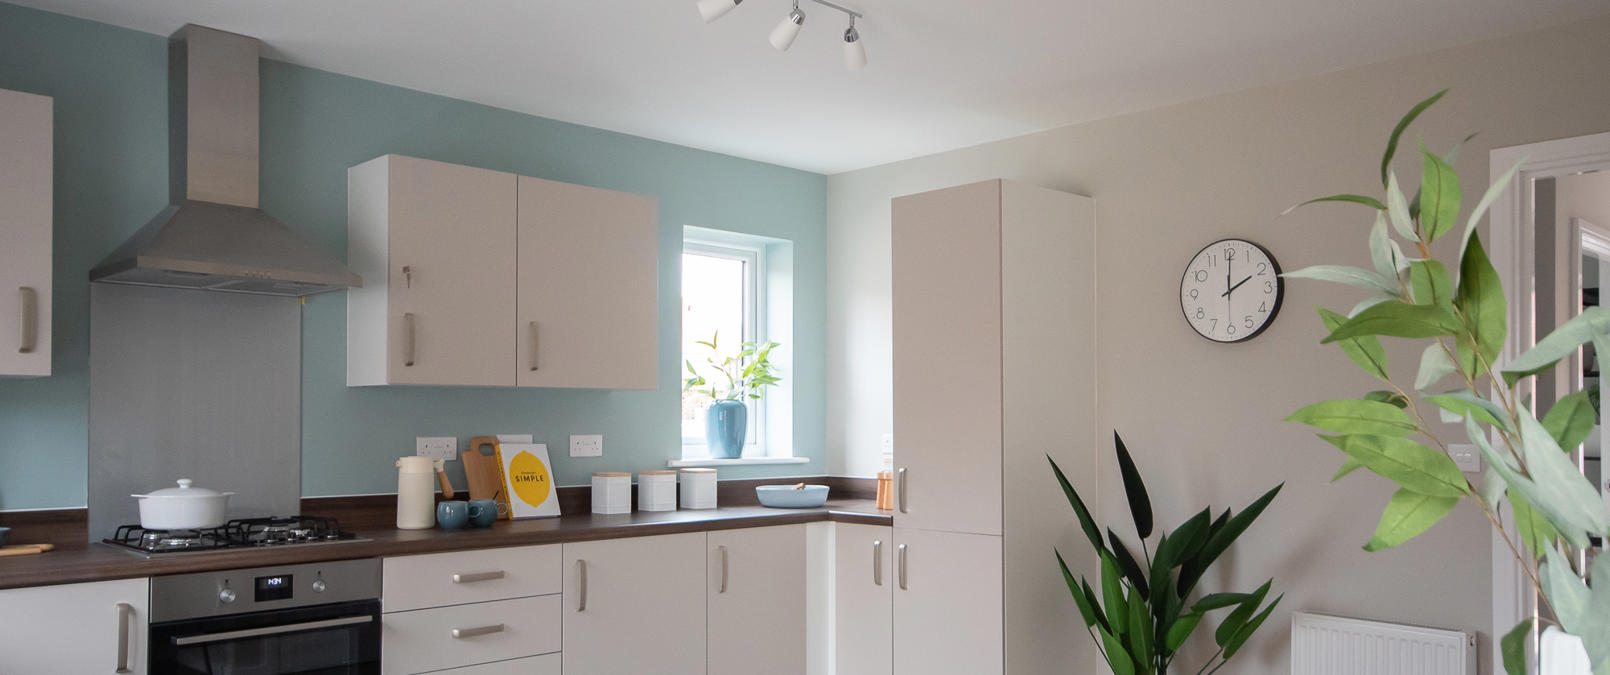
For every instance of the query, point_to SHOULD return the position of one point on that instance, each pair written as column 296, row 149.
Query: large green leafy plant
column 1141, row 616
column 745, row 374
column 1459, row 309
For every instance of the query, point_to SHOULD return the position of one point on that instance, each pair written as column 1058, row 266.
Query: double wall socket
column 589, row 445
column 1465, row 457
column 437, row 447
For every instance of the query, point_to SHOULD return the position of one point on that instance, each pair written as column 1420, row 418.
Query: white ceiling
column 943, row 74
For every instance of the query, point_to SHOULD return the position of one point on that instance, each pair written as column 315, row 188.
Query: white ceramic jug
column 416, row 493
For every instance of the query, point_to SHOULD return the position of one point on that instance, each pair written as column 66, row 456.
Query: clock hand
column 1237, row 285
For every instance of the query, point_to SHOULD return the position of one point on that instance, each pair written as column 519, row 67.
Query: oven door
column 322, row 640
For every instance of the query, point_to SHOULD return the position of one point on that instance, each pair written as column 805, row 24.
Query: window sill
column 741, row 461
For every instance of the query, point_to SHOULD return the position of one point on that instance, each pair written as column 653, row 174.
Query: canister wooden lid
column 656, row 473
column 698, row 471
column 612, row 474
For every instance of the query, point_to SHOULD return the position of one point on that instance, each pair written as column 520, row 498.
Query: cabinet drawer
column 547, row 664
column 422, row 640
column 441, row 579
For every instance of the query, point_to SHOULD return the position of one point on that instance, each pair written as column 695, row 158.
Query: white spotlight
column 854, row 51
column 782, row 37
column 714, row 9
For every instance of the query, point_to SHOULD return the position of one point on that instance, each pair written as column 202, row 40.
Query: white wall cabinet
column 484, row 278
column 756, row 601
column 635, row 606
column 26, row 229
column 863, row 590
column 75, row 629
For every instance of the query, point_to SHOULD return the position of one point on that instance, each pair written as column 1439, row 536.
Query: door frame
column 1510, row 231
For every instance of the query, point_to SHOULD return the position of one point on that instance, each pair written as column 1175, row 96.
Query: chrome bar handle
column 271, row 630
column 30, row 320
column 902, row 550
column 581, row 572
column 472, row 577
column 903, row 491
column 124, row 612
column 408, row 339
column 723, row 551
column 461, row 633
column 534, row 346
column 408, row 276
column 877, row 563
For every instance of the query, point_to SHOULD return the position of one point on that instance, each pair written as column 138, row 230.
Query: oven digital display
column 274, row 588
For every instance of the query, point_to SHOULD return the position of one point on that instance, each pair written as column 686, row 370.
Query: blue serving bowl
column 786, row 497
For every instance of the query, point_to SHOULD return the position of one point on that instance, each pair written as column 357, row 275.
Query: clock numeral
column 1268, row 287
column 1262, row 268
column 1200, row 314
column 1229, row 328
column 1213, row 260
column 1263, row 307
column 1201, row 275
column 1194, row 294
column 1249, row 321
column 1215, row 326
column 1229, row 254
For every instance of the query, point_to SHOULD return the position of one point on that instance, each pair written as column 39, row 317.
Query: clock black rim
column 1280, row 294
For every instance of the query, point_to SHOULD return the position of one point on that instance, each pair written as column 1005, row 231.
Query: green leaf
column 1407, row 515
column 1238, row 618
column 1514, row 648
column 1392, row 143
column 1356, row 416
column 1480, row 300
column 1573, row 504
column 1397, row 209
column 1460, row 402
column 1140, row 505
column 1090, row 597
column 1352, row 276
column 1430, row 283
column 1434, row 365
column 1388, row 397
column 1398, row 319
column 1348, row 467
column 1571, row 420
column 1535, row 530
column 1369, row 302
column 1214, row 601
column 1569, row 597
column 1127, row 564
column 1086, row 523
column 1356, row 199
column 1384, row 252
column 1140, row 631
column 1175, row 546
column 1086, row 611
column 1452, row 155
column 1439, row 196
column 1117, row 657
column 1365, row 351
column 1493, row 191
column 1596, row 634
column 1181, row 630
column 1405, row 462
column 1223, row 533
column 1559, row 344
column 1246, row 631
column 1493, row 487
column 1112, row 593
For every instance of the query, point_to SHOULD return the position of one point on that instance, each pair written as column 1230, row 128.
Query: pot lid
column 185, row 489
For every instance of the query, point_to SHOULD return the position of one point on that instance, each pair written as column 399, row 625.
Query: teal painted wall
column 111, row 163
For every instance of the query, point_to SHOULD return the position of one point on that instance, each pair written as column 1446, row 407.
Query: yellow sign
column 530, row 479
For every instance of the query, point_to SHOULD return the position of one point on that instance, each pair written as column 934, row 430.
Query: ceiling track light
column 782, row 37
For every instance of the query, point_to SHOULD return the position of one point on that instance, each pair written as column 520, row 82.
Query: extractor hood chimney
column 213, row 236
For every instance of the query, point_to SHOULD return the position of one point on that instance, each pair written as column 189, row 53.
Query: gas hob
column 243, row 533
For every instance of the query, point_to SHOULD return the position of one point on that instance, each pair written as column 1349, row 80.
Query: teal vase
column 726, row 424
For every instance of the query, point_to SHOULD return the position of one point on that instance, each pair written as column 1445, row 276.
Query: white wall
column 1204, row 419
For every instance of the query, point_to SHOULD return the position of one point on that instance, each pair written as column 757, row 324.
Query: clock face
column 1231, row 290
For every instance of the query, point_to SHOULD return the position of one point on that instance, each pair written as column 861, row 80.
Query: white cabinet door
column 946, row 304
column 635, row 606
column 863, row 586
column 25, row 227
column 588, row 287
column 947, row 603
column 75, row 629
column 757, row 601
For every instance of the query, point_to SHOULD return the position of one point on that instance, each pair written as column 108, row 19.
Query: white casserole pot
column 183, row 508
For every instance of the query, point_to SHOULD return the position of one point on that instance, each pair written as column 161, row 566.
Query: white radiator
column 1328, row 645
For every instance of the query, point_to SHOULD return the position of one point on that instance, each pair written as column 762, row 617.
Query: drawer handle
column 472, row 577
column 902, row 550
column 723, row 551
column 408, row 340
column 246, row 633
column 535, row 346
column 581, row 572
column 124, row 612
column 903, row 490
column 877, row 563
column 30, row 320
column 461, row 633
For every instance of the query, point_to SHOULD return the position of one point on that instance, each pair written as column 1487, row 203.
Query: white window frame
column 754, row 294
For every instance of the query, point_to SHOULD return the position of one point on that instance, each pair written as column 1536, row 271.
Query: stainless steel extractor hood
column 213, row 236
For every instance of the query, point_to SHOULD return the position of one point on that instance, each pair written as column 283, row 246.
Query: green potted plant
column 1458, row 309
column 728, row 381
column 1141, row 616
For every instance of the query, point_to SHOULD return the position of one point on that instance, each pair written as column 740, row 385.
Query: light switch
column 1465, row 457
column 590, row 445
column 437, row 447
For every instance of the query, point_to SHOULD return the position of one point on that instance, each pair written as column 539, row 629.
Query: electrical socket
column 437, row 447
column 888, row 444
column 589, row 445
column 1465, row 457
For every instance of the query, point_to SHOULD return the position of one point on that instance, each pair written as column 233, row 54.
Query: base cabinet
column 635, row 606
column 863, row 588
column 947, row 603
column 756, row 601
column 75, row 629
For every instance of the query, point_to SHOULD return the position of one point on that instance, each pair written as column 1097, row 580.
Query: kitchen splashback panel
column 192, row 384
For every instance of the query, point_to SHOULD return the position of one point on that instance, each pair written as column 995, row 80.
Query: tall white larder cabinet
column 25, row 227
column 994, row 299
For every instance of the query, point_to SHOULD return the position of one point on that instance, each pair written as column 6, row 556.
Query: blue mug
column 483, row 512
column 452, row 515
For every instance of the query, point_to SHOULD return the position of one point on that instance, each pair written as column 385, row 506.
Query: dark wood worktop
column 74, row 562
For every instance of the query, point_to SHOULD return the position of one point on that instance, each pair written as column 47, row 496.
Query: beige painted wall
column 1203, row 419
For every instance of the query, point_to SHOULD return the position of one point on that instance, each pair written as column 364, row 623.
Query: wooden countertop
column 74, row 563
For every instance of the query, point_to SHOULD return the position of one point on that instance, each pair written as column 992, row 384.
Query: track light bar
column 782, row 37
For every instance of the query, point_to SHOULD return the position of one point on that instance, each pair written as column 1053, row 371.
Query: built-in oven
column 321, row 618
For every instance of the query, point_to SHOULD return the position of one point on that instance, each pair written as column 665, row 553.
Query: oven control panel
column 203, row 594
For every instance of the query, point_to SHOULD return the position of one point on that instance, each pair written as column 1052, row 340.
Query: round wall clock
column 1231, row 290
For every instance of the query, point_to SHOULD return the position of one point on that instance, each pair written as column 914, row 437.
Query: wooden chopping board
column 25, row 549
column 485, row 472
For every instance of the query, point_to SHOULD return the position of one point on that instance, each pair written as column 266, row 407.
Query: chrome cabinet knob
column 226, row 595
column 318, row 586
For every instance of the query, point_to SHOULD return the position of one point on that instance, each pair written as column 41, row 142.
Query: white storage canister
column 612, row 493
column 656, row 490
column 698, row 488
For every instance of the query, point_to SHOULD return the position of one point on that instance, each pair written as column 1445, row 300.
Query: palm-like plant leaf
column 1140, row 504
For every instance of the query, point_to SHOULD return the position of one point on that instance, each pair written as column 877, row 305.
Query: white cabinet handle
column 877, row 563
column 125, row 611
column 581, row 578
column 723, row 551
column 30, row 320
column 461, row 633
column 408, row 276
column 903, row 491
column 472, row 577
column 408, row 339
column 534, row 346
column 902, row 550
